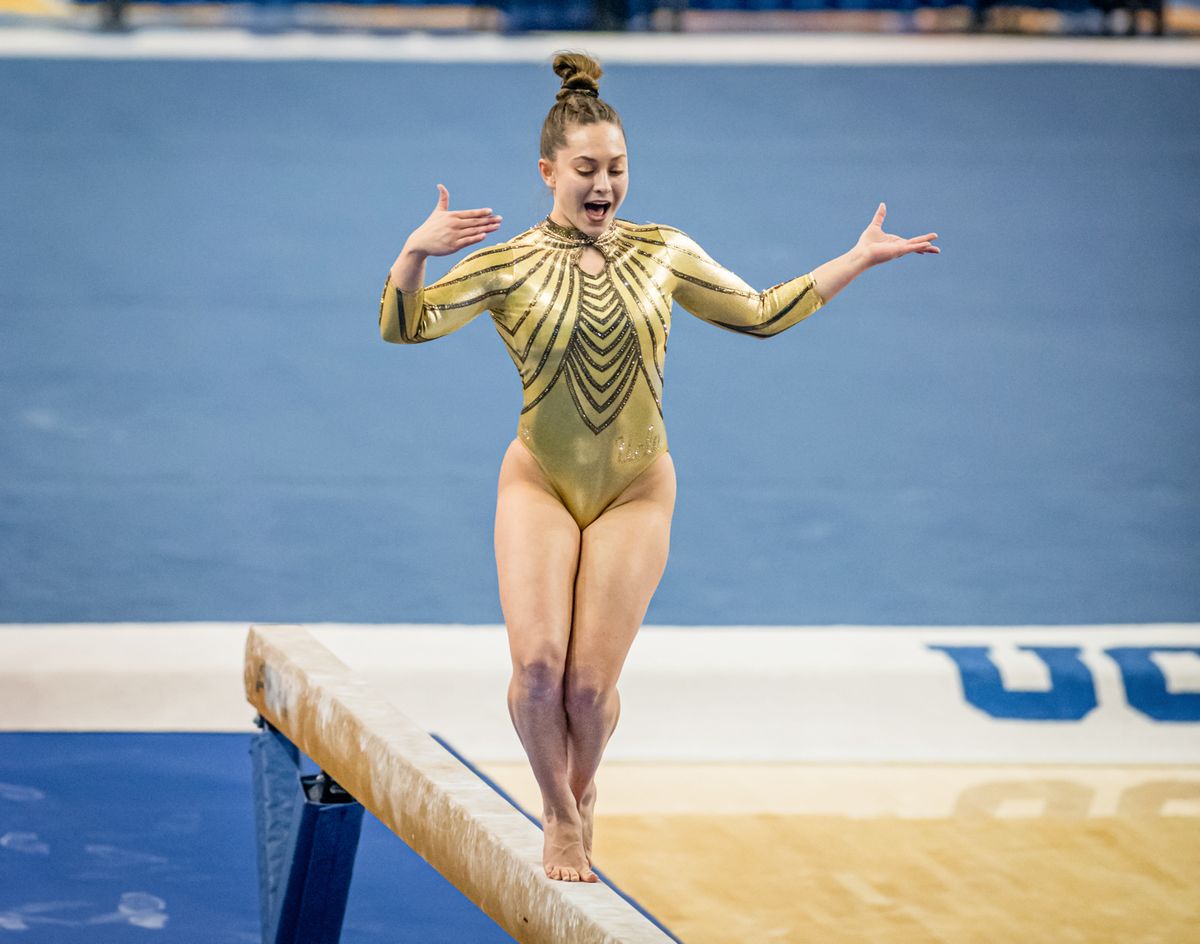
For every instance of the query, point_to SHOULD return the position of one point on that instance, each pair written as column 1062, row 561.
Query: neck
column 562, row 221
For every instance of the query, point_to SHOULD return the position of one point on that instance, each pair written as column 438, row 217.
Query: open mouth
column 597, row 210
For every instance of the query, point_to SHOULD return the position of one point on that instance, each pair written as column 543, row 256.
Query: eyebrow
column 584, row 157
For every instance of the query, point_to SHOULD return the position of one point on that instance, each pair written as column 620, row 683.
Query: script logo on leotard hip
column 647, row 446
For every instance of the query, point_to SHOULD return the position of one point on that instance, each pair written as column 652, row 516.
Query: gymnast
column 582, row 302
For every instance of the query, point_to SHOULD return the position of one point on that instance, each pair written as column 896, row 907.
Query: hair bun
column 579, row 72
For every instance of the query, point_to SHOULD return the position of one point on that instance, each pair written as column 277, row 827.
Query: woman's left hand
column 875, row 246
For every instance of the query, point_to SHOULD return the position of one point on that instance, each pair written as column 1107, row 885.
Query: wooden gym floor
column 901, row 854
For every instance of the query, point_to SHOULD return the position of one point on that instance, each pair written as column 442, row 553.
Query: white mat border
column 843, row 694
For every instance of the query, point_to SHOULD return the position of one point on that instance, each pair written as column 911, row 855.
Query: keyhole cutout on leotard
column 592, row 260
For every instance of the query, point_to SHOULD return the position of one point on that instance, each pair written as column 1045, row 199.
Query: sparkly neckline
column 577, row 237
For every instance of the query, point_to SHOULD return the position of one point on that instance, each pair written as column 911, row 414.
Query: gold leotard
column 590, row 348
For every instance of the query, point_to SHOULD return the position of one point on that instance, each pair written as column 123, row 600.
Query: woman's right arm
column 409, row 311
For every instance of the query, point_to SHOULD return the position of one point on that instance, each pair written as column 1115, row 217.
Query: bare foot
column 562, row 856
column 587, row 810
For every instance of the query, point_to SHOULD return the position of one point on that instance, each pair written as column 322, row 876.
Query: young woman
column 582, row 301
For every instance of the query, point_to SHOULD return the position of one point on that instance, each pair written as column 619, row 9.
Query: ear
column 547, row 171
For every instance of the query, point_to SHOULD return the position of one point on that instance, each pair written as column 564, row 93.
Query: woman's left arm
column 713, row 293
column 873, row 247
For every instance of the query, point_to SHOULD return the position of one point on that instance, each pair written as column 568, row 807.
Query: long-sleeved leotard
column 590, row 348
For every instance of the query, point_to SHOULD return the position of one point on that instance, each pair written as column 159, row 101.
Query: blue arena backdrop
column 201, row 421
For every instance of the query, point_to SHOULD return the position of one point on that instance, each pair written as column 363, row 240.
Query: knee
column 538, row 678
column 586, row 693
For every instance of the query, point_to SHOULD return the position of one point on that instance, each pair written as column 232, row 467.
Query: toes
column 563, row 873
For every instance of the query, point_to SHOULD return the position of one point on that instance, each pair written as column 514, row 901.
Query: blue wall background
column 199, row 421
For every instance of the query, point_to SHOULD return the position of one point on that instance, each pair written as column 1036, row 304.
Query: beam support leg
column 307, row 829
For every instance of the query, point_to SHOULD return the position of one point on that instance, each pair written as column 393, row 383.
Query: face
column 591, row 168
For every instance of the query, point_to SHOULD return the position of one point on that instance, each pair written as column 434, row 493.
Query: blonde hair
column 578, row 101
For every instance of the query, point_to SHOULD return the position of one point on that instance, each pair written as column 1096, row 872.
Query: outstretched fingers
column 923, row 244
column 878, row 246
column 482, row 214
column 480, row 226
column 478, row 220
column 472, row 226
column 447, row 231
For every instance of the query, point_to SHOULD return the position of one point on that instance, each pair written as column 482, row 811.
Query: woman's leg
column 622, row 558
column 537, row 555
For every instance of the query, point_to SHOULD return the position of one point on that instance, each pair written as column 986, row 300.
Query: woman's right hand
column 448, row 231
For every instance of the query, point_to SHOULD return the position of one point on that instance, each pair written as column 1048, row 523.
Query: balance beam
column 449, row 816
